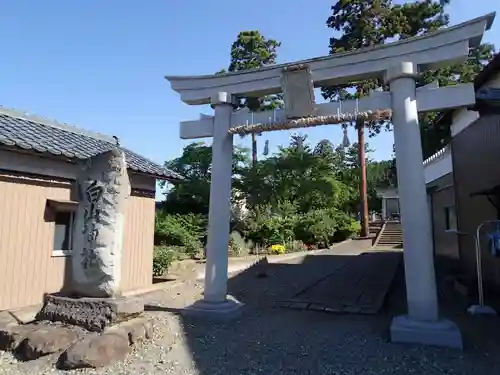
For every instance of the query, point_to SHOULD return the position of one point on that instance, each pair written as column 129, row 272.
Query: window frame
column 61, row 252
column 447, row 219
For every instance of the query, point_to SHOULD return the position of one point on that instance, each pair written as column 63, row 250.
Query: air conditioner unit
column 488, row 101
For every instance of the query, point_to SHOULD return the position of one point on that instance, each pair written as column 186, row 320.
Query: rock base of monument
column 93, row 314
column 85, row 332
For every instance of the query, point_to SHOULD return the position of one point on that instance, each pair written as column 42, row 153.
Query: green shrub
column 264, row 227
column 267, row 225
column 237, row 245
column 186, row 231
column 316, row 227
column 162, row 259
column 347, row 227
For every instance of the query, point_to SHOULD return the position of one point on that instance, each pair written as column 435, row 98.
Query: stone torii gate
column 398, row 63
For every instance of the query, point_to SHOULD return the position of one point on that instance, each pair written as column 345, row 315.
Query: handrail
column 379, row 235
column 479, row 265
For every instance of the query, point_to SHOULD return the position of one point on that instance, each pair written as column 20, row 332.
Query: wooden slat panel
column 138, row 243
column 26, row 238
column 27, row 268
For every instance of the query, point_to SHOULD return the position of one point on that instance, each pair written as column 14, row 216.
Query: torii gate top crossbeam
column 430, row 51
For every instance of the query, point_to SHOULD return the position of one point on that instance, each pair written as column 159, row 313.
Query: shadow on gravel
column 268, row 339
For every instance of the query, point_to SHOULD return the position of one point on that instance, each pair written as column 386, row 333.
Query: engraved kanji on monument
column 103, row 186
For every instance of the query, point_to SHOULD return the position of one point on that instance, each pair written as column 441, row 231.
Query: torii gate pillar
column 422, row 324
column 215, row 299
column 219, row 214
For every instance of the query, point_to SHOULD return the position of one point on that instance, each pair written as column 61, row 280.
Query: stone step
column 391, row 236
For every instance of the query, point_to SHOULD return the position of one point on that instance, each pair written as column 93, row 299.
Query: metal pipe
column 479, row 266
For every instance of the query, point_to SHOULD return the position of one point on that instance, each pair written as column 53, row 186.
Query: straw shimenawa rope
column 306, row 122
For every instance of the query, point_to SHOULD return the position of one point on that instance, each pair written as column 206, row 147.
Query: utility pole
column 363, row 193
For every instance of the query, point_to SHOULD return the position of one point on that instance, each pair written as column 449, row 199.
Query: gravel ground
column 269, row 340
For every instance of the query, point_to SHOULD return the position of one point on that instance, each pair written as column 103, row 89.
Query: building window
column 63, row 233
column 450, row 217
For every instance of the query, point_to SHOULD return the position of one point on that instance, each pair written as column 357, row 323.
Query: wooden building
column 37, row 196
column 463, row 180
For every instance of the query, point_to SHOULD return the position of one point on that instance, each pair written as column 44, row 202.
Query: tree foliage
column 298, row 175
column 303, row 192
column 251, row 50
column 366, row 23
column 195, row 164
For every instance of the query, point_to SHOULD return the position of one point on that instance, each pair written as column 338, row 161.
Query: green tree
column 300, row 174
column 302, row 192
column 365, row 23
column 251, row 50
column 315, row 178
column 195, row 163
column 379, row 174
column 325, row 149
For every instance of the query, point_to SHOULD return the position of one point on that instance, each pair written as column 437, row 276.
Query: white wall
column 439, row 167
column 440, row 163
column 462, row 118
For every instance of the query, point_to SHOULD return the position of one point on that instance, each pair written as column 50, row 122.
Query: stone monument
column 95, row 325
column 95, row 302
column 103, row 187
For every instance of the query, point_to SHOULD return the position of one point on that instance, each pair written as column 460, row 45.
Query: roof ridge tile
column 54, row 123
column 41, row 135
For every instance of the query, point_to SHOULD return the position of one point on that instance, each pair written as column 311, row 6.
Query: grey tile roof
column 37, row 134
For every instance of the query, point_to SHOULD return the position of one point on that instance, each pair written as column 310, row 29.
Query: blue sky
column 100, row 64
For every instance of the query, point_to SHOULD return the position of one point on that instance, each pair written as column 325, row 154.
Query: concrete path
column 274, row 282
column 356, row 284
